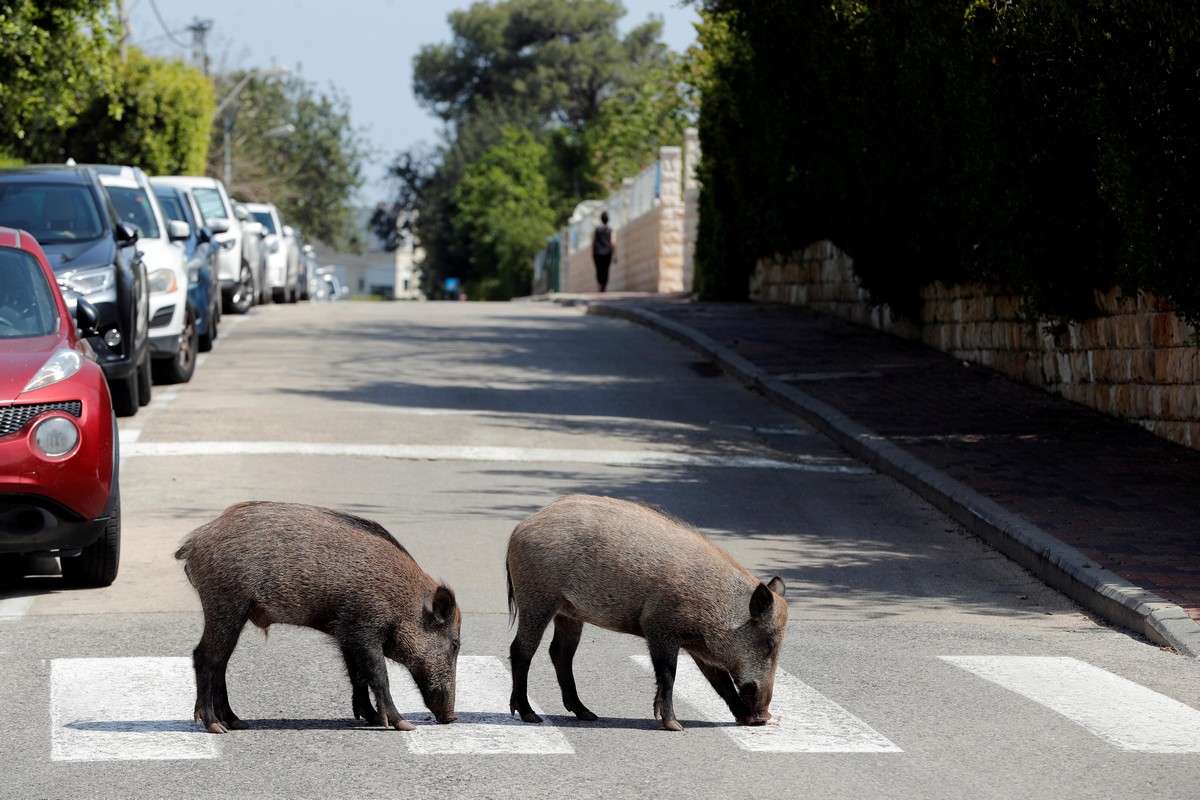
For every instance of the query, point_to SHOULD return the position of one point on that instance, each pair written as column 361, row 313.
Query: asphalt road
column 918, row 663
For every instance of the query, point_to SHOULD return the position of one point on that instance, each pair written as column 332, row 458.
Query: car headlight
column 60, row 366
column 56, row 436
column 88, row 281
column 163, row 280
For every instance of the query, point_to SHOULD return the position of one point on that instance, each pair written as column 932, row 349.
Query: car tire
column 125, row 394
column 242, row 298
column 277, row 295
column 98, row 563
column 12, row 568
column 293, row 295
column 145, row 381
column 180, row 367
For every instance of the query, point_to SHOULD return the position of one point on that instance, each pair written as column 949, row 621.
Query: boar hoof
column 401, row 724
column 216, row 727
column 238, row 725
column 586, row 716
column 672, row 725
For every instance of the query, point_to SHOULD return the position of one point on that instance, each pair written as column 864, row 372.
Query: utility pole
column 200, row 29
column 123, row 22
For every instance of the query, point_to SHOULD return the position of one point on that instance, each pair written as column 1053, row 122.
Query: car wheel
column 97, row 564
column 125, row 394
column 145, row 381
column 277, row 295
column 243, row 294
column 181, row 367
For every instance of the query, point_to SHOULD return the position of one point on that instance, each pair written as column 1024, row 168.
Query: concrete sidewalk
column 1096, row 507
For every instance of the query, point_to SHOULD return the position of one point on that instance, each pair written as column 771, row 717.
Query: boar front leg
column 369, row 659
column 664, row 656
column 562, row 652
column 360, row 697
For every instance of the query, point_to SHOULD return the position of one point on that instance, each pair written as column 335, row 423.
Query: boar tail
column 512, row 603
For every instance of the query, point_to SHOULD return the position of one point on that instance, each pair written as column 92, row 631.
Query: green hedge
column 1050, row 145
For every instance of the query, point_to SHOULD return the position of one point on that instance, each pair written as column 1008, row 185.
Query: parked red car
column 59, row 492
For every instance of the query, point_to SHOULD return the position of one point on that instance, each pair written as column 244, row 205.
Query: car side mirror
column 241, row 212
column 178, row 230
column 87, row 318
column 126, row 234
column 289, row 231
column 218, row 225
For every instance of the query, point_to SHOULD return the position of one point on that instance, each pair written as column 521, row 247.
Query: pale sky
column 365, row 54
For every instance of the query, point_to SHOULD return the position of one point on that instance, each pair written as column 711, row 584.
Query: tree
column 309, row 170
column 55, row 58
column 504, row 211
column 158, row 118
column 550, row 68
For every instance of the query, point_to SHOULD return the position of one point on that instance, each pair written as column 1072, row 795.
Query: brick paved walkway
column 1108, row 488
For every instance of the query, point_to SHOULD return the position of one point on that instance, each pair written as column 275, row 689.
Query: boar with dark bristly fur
column 632, row 569
column 323, row 569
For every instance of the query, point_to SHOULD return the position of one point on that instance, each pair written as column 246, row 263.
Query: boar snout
column 756, row 703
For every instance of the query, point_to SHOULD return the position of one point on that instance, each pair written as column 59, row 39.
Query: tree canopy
column 588, row 100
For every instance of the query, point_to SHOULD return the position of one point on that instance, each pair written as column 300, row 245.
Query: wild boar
column 324, row 569
column 632, row 569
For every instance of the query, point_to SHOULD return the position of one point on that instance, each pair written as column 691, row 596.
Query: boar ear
column 441, row 606
column 761, row 601
column 776, row 586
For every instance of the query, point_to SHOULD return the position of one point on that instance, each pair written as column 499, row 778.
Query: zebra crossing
column 107, row 709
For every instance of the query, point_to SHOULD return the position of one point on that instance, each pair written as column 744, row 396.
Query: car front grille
column 13, row 418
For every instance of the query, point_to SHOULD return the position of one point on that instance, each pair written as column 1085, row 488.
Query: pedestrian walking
column 604, row 249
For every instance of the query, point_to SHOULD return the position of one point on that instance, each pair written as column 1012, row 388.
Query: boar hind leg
column 664, row 656
column 210, row 659
column 723, row 683
column 529, row 635
column 562, row 652
column 360, row 697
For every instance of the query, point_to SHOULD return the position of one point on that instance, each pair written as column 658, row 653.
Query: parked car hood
column 64, row 256
column 20, row 359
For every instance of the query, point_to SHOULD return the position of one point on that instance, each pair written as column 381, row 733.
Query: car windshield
column 209, row 200
column 53, row 212
column 267, row 221
column 133, row 206
column 172, row 207
column 27, row 308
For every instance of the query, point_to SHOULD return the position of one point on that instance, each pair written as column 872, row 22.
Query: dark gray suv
column 94, row 256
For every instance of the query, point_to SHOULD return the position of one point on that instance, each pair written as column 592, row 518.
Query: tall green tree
column 158, row 118
column 504, row 211
column 549, row 67
column 55, row 58
column 293, row 146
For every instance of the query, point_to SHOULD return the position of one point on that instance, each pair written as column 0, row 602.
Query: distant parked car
column 283, row 253
column 173, row 339
column 254, row 251
column 59, row 492
column 235, row 270
column 307, row 269
column 94, row 255
column 201, row 251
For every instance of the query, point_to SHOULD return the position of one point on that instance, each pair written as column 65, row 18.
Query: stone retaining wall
column 1137, row 360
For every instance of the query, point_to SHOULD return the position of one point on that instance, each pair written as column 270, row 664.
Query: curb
column 1057, row 564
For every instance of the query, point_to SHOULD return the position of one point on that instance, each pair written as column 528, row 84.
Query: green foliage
column 310, row 172
column 158, row 118
column 1046, row 144
column 556, row 69
column 504, row 211
column 54, row 59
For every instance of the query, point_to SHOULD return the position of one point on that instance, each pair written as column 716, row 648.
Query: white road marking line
column 803, row 719
column 481, row 454
column 1125, row 714
column 125, row 709
column 484, row 725
column 18, row 606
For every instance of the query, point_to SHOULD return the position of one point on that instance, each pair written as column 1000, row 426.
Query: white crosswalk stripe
column 105, row 709
column 484, row 724
column 1123, row 713
column 804, row 720
column 124, row 709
